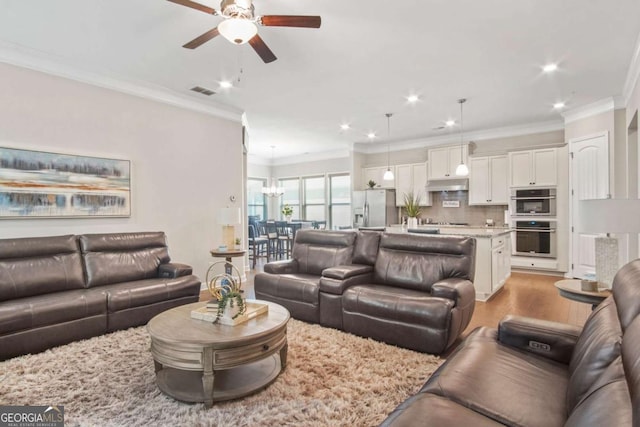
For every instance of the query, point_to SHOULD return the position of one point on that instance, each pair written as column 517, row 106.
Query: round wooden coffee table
column 199, row 361
column 573, row 290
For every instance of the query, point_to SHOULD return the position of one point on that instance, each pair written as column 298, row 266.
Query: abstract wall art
column 37, row 184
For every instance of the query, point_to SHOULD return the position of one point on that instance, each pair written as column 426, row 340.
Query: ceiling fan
column 239, row 25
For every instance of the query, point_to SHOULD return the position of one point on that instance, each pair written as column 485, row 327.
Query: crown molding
column 302, row 158
column 503, row 132
column 598, row 107
column 633, row 74
column 38, row 61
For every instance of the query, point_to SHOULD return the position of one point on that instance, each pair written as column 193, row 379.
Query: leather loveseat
column 54, row 290
column 537, row 373
column 414, row 291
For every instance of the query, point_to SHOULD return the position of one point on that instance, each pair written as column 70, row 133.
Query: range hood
column 448, row 185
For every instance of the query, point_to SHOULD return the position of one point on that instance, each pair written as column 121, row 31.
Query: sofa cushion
column 626, row 292
column 606, row 403
column 508, row 385
column 126, row 295
column 399, row 305
column 597, row 347
column 631, row 363
column 50, row 309
column 366, row 247
column 39, row 265
column 294, row 287
column 430, row 410
column 416, row 261
column 123, row 257
column 315, row 250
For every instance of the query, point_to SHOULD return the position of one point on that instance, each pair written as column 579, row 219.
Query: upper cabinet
column 412, row 178
column 537, row 168
column 488, row 180
column 375, row 174
column 443, row 161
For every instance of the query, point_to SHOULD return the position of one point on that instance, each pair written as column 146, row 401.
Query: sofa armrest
column 461, row 291
column 552, row 340
column 330, row 285
column 342, row 272
column 172, row 270
column 287, row 266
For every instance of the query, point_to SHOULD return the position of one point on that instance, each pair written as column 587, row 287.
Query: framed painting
column 38, row 184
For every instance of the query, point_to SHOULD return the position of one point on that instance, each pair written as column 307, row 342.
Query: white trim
column 301, row 158
column 598, row 107
column 504, row 132
column 38, row 61
column 633, row 74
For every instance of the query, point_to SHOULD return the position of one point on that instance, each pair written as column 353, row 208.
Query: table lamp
column 617, row 216
column 228, row 217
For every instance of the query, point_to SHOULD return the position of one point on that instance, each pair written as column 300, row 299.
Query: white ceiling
column 366, row 57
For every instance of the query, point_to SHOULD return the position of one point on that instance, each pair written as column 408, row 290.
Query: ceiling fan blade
column 290, row 21
column 262, row 49
column 194, row 5
column 202, row 39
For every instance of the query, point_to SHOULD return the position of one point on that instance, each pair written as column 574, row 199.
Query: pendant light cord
column 388, row 142
column 461, row 101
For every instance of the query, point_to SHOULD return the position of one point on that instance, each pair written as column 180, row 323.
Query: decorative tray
column 208, row 313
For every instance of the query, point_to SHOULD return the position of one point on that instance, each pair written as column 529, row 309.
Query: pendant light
column 388, row 175
column 272, row 190
column 462, row 169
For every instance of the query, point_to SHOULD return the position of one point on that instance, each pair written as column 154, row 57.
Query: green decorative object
column 287, row 210
column 371, row 183
column 227, row 291
column 412, row 205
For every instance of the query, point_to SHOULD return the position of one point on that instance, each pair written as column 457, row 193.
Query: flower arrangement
column 226, row 290
column 371, row 183
column 287, row 210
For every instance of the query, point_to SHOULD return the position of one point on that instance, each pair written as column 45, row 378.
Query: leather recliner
column 531, row 372
column 415, row 291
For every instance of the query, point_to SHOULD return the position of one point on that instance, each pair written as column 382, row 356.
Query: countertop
column 457, row 230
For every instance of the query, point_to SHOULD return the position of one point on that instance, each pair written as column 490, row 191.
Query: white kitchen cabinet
column 412, row 178
column 376, row 174
column 493, row 265
column 443, row 161
column 488, row 180
column 537, row 168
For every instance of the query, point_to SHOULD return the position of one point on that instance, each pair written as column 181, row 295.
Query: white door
column 589, row 180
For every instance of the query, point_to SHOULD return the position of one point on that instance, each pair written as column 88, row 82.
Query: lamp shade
column 388, row 175
column 237, row 30
column 228, row 216
column 609, row 216
column 462, row 170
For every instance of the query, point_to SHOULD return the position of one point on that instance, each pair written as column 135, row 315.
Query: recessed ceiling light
column 550, row 68
column 225, row 84
column 371, row 135
column 412, row 98
column 558, row 105
column 345, row 126
column 450, row 123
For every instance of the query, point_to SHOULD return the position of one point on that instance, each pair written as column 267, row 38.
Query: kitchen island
column 493, row 253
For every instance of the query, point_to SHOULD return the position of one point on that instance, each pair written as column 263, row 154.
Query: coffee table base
column 228, row 384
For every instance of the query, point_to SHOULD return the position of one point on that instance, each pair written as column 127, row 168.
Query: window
column 290, row 197
column 314, row 198
column 340, row 201
column 256, row 205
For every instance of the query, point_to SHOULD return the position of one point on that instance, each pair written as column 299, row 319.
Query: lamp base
column 606, row 260
column 228, row 236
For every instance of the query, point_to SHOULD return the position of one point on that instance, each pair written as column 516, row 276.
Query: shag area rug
column 332, row 379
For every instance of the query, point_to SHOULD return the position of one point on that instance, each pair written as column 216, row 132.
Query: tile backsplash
column 474, row 215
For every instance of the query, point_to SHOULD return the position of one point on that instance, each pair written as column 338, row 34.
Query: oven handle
column 532, row 198
column 535, row 230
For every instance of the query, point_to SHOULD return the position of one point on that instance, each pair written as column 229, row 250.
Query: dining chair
column 258, row 246
column 285, row 239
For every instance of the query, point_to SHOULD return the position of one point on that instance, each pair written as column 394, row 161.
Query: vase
column 288, row 218
column 412, row 222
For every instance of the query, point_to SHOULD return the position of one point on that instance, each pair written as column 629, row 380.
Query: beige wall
column 184, row 164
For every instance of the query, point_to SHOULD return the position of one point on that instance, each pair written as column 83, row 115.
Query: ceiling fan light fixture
column 238, row 30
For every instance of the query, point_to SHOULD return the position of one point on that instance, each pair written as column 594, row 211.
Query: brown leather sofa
column 55, row 290
column 414, row 291
column 532, row 372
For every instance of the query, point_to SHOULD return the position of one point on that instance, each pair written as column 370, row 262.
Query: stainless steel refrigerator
column 374, row 208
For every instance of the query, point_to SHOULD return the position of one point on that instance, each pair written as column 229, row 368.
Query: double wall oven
column 533, row 218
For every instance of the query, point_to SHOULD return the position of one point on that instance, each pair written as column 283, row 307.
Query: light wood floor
column 531, row 295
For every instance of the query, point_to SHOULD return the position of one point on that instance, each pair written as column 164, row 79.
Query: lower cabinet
column 493, row 265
